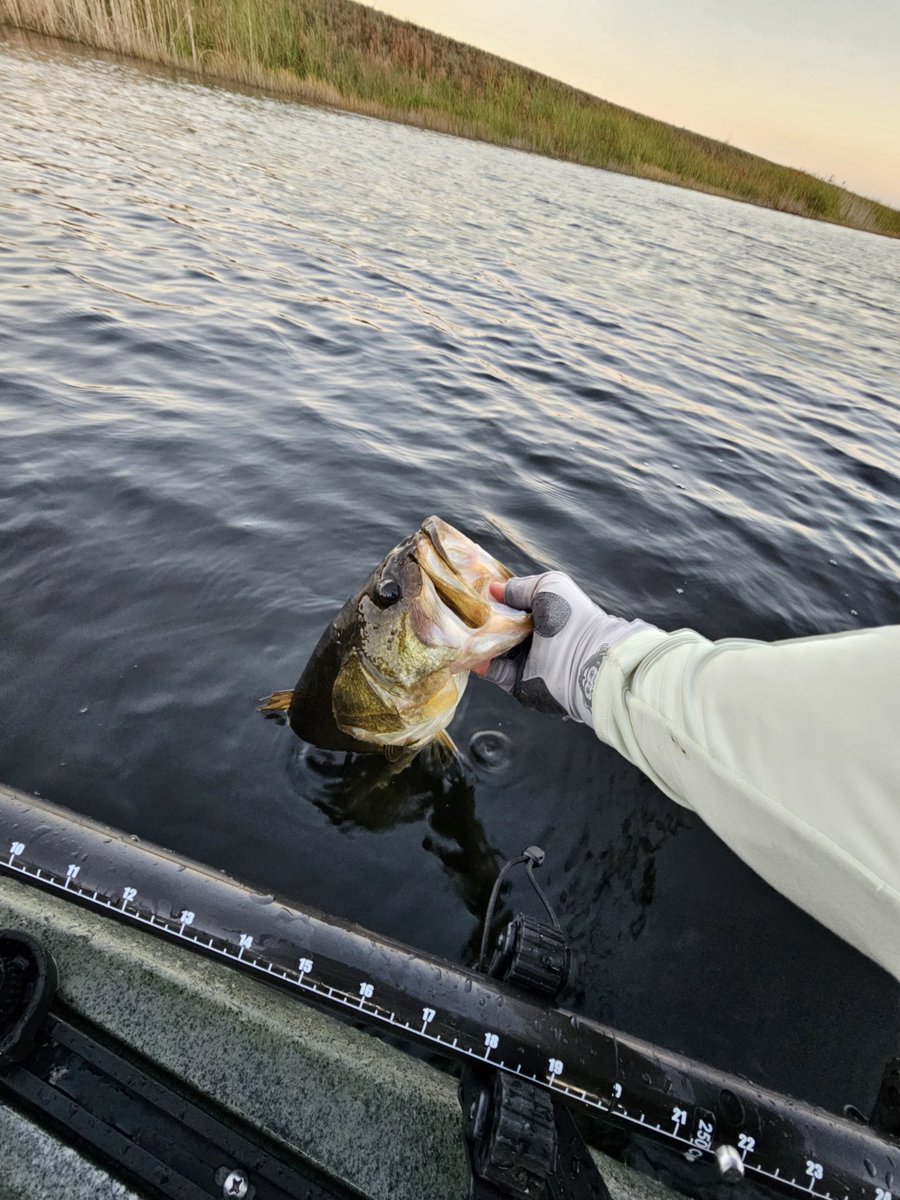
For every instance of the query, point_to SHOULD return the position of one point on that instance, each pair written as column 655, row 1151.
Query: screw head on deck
column 236, row 1185
column 731, row 1165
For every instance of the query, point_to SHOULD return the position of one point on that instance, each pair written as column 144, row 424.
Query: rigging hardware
column 520, row 1140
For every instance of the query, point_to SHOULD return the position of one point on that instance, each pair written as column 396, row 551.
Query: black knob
column 533, row 956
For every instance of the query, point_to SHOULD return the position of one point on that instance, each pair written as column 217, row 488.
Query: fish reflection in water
column 614, row 858
column 362, row 792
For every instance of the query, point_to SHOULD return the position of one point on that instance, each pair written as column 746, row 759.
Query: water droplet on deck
column 490, row 748
column 870, row 1167
column 83, row 710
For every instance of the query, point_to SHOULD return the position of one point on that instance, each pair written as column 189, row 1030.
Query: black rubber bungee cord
column 532, row 856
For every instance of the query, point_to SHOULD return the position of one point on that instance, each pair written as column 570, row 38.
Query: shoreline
column 432, row 83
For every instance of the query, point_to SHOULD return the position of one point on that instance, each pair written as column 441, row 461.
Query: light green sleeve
column 789, row 751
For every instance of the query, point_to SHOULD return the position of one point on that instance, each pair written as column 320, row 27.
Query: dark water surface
column 246, row 345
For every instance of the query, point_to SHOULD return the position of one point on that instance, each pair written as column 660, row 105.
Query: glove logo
column 587, row 676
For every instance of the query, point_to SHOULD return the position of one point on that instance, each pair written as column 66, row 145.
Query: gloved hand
column 555, row 670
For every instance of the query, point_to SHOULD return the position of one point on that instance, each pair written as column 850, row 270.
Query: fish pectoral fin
column 277, row 702
column 441, row 756
column 446, row 742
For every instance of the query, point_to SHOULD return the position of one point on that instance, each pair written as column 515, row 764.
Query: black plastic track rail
column 146, row 1128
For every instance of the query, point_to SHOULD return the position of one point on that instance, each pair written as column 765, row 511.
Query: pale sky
column 813, row 84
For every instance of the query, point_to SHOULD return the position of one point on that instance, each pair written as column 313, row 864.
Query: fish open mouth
column 460, row 571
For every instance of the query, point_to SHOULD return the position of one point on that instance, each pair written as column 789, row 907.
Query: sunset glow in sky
column 813, row 84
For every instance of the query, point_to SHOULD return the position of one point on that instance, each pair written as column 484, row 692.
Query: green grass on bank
column 341, row 53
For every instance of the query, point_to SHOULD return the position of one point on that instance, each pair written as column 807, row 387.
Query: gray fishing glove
column 556, row 669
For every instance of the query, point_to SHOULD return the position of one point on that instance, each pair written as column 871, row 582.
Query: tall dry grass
column 342, row 53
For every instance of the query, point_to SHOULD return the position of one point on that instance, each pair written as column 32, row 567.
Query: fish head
column 390, row 670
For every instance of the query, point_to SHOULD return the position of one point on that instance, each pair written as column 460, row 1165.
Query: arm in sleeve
column 789, row 751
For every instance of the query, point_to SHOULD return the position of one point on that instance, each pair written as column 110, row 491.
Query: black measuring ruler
column 463, row 1015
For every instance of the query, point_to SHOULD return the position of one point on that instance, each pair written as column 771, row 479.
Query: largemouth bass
column 388, row 672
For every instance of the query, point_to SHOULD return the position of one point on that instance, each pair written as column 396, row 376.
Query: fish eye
column 387, row 592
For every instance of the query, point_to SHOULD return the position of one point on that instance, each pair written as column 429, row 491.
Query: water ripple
column 245, row 346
